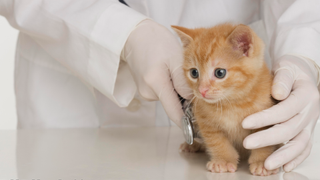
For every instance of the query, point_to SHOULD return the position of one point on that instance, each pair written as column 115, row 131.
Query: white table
column 118, row 153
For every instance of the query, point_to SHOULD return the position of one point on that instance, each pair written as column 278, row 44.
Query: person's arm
column 293, row 28
column 86, row 36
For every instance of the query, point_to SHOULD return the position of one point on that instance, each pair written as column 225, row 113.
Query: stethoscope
column 188, row 122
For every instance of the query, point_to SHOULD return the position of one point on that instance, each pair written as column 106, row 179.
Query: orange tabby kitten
column 225, row 68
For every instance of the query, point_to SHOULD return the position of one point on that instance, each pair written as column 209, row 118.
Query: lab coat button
column 134, row 105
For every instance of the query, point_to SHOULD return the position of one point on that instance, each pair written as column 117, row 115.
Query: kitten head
column 222, row 62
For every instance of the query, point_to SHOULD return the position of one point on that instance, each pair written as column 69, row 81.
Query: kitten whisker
column 172, row 72
column 229, row 103
column 191, row 101
column 220, row 109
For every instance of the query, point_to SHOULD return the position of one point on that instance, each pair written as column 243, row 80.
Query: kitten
column 225, row 68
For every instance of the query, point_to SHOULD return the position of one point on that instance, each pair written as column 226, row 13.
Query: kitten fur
column 246, row 89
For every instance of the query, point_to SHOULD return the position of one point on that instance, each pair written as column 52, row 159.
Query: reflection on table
column 119, row 153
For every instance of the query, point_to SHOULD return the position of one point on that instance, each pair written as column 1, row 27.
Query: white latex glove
column 155, row 57
column 294, row 118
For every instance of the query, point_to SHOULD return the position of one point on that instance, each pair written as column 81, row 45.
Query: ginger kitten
column 225, row 68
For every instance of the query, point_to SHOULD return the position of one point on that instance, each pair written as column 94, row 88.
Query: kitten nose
column 203, row 91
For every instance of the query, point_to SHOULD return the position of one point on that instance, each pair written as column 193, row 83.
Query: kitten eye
column 194, row 73
column 220, row 73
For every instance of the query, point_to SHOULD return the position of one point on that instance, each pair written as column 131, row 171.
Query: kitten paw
column 258, row 169
column 220, row 166
column 195, row 147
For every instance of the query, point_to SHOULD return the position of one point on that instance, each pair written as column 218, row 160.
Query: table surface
column 119, row 153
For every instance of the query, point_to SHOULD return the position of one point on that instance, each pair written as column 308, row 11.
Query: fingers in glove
column 171, row 102
column 298, row 160
column 178, row 78
column 282, row 111
column 277, row 134
column 180, row 84
column 289, row 151
column 282, row 83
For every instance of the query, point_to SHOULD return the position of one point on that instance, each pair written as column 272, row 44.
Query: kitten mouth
column 212, row 100
column 213, row 96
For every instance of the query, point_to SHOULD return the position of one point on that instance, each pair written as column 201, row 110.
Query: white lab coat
column 68, row 71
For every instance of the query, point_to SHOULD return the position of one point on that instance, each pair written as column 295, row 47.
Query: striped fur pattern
column 245, row 89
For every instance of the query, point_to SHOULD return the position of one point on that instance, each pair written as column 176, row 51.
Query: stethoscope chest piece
column 187, row 130
column 187, row 125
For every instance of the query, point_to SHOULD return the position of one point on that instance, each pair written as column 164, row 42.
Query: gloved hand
column 294, row 118
column 155, row 58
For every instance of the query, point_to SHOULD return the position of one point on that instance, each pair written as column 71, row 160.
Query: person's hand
column 294, row 118
column 155, row 58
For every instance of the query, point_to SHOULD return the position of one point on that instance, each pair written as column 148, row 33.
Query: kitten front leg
column 257, row 158
column 224, row 157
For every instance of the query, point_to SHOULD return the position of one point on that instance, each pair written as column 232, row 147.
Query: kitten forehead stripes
column 204, row 50
column 210, row 48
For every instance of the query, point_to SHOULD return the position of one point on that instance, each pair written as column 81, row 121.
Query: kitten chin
column 211, row 101
column 227, row 59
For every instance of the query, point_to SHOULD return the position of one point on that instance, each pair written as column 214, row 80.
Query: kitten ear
column 185, row 34
column 242, row 40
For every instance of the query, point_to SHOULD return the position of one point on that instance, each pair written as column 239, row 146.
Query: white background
column 8, row 39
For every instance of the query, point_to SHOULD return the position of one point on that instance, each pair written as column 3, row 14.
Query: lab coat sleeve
column 86, row 36
column 293, row 28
